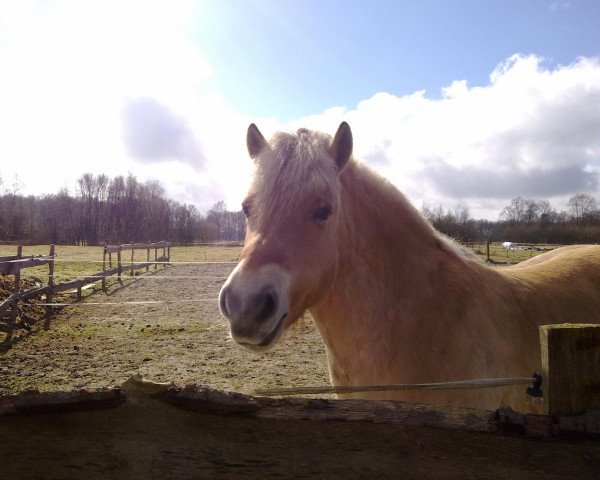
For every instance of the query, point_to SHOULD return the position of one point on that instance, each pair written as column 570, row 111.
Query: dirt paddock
column 100, row 346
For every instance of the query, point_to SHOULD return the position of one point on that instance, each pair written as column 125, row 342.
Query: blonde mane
column 291, row 167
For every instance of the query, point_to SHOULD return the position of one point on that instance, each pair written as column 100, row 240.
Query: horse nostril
column 223, row 303
column 229, row 303
column 266, row 305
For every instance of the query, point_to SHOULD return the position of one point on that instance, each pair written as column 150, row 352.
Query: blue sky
column 455, row 102
column 294, row 58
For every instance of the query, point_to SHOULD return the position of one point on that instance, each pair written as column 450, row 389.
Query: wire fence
column 535, row 381
column 127, row 303
column 11, row 316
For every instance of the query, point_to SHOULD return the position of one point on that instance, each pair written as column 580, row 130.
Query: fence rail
column 13, row 264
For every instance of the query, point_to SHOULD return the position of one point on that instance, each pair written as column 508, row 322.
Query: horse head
column 290, row 254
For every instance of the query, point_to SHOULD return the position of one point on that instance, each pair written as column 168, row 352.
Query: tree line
column 122, row 209
column 523, row 220
column 115, row 210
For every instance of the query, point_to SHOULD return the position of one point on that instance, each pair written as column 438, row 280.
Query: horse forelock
column 296, row 166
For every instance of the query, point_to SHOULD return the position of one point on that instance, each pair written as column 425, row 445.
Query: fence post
column 104, row 269
column 119, row 266
column 17, row 288
column 132, row 257
column 50, row 283
column 155, row 256
column 18, row 270
column 570, row 368
column 168, row 252
column 147, row 258
column 488, row 250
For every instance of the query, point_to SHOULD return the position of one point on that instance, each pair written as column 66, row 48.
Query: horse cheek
column 318, row 275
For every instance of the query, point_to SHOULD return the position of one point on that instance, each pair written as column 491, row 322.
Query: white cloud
column 69, row 70
column 152, row 133
column 77, row 77
column 532, row 131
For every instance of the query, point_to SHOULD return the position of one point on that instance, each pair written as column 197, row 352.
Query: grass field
column 501, row 255
column 74, row 261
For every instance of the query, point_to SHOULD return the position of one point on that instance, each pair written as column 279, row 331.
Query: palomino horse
column 394, row 301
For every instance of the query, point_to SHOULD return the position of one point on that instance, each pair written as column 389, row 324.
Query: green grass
column 206, row 253
column 75, row 262
column 500, row 255
column 75, row 267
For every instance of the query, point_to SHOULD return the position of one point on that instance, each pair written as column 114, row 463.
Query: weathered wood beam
column 570, row 368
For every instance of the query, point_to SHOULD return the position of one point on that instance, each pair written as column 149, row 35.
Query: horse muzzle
column 255, row 301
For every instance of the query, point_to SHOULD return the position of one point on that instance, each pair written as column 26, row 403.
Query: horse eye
column 246, row 208
column 320, row 215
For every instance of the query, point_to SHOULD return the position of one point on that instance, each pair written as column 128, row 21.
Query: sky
column 464, row 102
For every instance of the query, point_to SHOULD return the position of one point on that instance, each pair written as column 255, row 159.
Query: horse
column 394, row 300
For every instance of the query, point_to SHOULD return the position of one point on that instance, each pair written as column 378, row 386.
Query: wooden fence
column 12, row 265
column 49, row 432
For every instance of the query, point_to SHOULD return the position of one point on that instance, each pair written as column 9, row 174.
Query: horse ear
column 255, row 141
column 341, row 146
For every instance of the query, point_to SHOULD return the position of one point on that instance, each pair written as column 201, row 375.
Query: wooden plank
column 71, row 284
column 62, row 434
column 10, row 267
column 135, row 246
column 110, row 272
column 24, row 295
column 6, row 264
column 80, row 282
column 6, row 327
column 69, row 401
column 570, row 368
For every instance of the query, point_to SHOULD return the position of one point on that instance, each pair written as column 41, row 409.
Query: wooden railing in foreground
column 261, row 437
column 12, row 265
column 569, row 382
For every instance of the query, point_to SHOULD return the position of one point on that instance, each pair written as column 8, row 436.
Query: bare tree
column 517, row 211
column 547, row 213
column 217, row 217
column 92, row 191
column 187, row 223
column 581, row 206
column 14, row 216
column 456, row 223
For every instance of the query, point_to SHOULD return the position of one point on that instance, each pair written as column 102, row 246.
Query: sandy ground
column 188, row 342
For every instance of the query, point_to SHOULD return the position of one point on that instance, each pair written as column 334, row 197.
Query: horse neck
column 380, row 228
column 389, row 260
